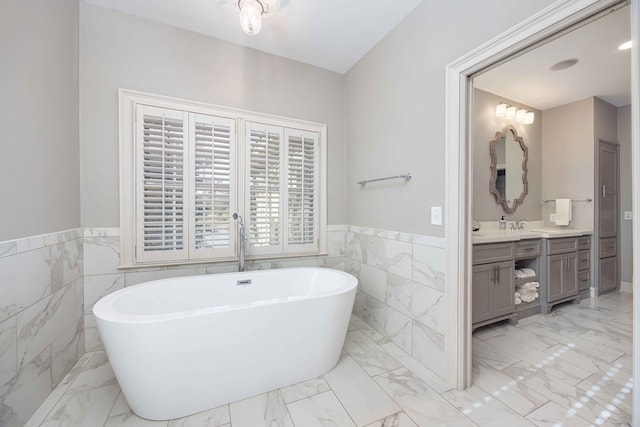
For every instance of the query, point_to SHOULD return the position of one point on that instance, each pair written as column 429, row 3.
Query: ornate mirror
column 508, row 181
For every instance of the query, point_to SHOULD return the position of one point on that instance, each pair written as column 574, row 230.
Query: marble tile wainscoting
column 41, row 322
column 102, row 276
column 401, row 289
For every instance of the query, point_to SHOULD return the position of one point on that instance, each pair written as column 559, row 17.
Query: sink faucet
column 242, row 239
column 518, row 224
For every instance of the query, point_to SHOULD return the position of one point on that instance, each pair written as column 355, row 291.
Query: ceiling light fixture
column 252, row 12
column 625, row 46
column 501, row 109
column 511, row 113
column 563, row 65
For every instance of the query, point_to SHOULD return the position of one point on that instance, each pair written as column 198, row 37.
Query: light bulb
column 528, row 118
column 501, row 109
column 521, row 114
column 251, row 17
column 625, row 45
column 511, row 113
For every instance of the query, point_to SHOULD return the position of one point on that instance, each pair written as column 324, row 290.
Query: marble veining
column 378, row 384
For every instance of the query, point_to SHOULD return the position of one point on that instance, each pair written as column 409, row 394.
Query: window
column 186, row 167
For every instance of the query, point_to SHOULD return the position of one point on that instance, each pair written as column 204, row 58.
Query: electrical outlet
column 552, row 217
column 436, row 215
column 628, row 215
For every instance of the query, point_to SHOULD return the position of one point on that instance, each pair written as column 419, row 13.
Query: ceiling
column 331, row 34
column 602, row 70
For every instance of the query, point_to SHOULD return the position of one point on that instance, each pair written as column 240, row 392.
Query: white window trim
column 128, row 99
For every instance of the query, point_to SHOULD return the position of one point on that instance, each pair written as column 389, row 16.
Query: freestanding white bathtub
column 184, row 345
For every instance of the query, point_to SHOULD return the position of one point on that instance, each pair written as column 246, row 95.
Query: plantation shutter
column 302, row 191
column 161, row 193
column 264, row 190
column 213, row 184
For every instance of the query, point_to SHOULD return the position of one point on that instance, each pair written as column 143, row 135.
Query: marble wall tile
column 422, row 303
column 428, row 348
column 8, row 347
column 95, row 287
column 319, row 411
column 353, row 246
column 373, row 281
column 134, row 278
column 336, row 242
column 428, row 266
column 268, row 410
column 92, row 339
column 21, row 395
column 363, row 399
column 390, row 322
column 78, row 286
column 26, row 278
column 65, row 263
column 8, row 248
column 101, row 255
column 66, row 349
column 222, row 268
column 40, row 323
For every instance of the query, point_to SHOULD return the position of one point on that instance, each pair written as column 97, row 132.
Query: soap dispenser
column 503, row 223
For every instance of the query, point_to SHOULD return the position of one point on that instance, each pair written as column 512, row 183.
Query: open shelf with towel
column 527, row 290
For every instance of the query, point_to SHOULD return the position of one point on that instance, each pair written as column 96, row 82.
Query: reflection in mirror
column 508, row 182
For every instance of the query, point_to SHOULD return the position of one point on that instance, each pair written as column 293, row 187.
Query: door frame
column 459, row 169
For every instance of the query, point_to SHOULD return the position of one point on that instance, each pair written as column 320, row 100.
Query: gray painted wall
column 485, row 126
column 395, row 110
column 122, row 51
column 626, row 246
column 568, row 159
column 39, row 116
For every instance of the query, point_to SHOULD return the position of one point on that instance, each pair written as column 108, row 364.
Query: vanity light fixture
column 252, row 12
column 528, row 118
column 501, row 109
column 520, row 115
column 509, row 112
column 625, row 45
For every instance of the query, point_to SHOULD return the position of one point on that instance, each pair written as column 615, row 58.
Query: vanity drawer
column 583, row 280
column 559, row 246
column 493, row 252
column 528, row 248
column 608, row 247
column 583, row 260
column 584, row 242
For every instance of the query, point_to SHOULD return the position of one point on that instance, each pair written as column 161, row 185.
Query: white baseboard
column 626, row 287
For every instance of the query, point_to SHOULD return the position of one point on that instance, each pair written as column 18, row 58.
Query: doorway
column 459, row 178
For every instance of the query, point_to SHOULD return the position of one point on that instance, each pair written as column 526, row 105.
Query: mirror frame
column 500, row 199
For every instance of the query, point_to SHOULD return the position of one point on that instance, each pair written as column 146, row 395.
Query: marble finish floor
column 570, row 368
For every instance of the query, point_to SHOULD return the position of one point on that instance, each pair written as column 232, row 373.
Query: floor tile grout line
column 339, row 401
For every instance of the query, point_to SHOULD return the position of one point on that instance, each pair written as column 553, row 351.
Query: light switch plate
column 436, row 215
column 552, row 217
column 628, row 215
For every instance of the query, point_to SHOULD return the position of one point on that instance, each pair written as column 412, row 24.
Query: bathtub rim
column 103, row 309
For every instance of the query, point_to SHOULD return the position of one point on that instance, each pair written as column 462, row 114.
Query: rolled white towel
column 520, row 274
column 525, row 293
column 518, row 301
column 529, row 298
column 517, row 294
column 528, row 272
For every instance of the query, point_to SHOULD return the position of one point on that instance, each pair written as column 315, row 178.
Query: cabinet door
column 503, row 290
column 570, row 282
column 608, row 273
column 483, row 277
column 555, row 276
column 608, row 189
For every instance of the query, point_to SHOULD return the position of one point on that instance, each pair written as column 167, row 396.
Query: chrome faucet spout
column 242, row 239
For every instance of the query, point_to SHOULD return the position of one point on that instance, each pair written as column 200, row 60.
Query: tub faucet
column 242, row 239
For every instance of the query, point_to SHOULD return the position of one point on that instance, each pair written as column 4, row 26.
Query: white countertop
column 496, row 235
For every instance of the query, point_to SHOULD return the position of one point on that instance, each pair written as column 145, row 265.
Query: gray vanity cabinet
column 492, row 283
column 562, row 276
column 562, row 259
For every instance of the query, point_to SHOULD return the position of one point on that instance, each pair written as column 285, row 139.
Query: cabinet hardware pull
column 528, row 249
column 604, row 191
column 498, row 270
